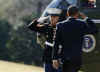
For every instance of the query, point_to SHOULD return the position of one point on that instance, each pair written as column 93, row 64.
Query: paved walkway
column 13, row 67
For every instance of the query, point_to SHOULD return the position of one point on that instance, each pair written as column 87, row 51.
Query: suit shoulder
column 80, row 21
column 62, row 23
column 59, row 24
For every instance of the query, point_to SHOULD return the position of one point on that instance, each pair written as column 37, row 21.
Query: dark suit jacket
column 70, row 35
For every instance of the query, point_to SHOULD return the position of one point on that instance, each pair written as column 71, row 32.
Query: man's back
column 72, row 36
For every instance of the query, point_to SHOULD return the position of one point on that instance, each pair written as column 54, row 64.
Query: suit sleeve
column 89, row 27
column 57, row 42
column 33, row 26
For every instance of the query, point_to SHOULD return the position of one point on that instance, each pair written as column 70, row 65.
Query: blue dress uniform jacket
column 49, row 32
column 70, row 34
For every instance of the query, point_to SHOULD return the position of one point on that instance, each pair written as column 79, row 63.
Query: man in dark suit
column 69, row 38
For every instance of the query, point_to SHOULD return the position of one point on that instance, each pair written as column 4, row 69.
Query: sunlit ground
column 15, row 67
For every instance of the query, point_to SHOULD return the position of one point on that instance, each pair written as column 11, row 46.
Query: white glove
column 42, row 19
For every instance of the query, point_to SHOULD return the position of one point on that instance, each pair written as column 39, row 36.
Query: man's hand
column 56, row 64
column 43, row 19
column 83, row 15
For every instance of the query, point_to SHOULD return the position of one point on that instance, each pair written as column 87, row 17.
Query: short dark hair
column 72, row 10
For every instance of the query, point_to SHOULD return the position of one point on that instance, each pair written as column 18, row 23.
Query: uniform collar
column 71, row 18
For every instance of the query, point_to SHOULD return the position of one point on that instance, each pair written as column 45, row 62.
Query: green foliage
column 23, row 47
column 28, row 18
column 19, row 45
column 4, row 37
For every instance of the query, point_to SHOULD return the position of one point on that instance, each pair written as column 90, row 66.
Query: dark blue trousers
column 49, row 68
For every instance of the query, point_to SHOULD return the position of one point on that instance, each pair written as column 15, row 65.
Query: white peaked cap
column 54, row 11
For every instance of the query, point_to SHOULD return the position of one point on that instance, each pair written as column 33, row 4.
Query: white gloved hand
column 42, row 19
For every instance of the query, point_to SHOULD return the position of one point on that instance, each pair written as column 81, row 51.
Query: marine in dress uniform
column 49, row 30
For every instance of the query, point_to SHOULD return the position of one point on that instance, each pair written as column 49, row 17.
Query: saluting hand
column 83, row 15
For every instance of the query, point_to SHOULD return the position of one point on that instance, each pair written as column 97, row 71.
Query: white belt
column 49, row 44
